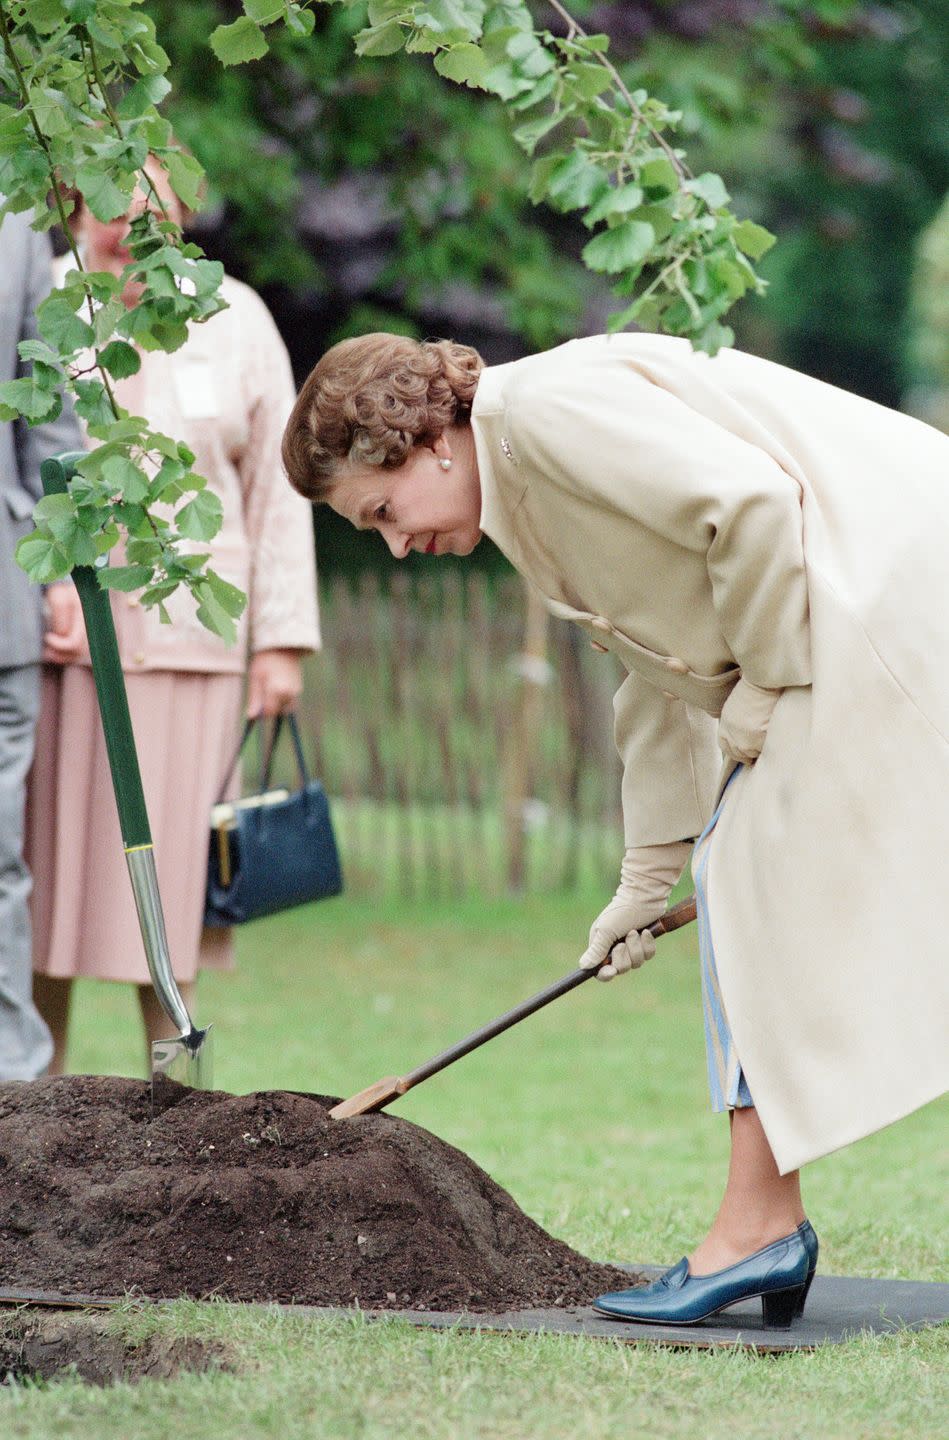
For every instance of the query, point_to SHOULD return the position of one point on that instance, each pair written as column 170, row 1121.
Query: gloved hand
column 647, row 876
column 744, row 721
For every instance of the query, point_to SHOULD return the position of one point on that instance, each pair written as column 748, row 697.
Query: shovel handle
column 674, row 919
column 108, row 677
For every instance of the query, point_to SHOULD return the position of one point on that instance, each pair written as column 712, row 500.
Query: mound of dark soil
column 260, row 1197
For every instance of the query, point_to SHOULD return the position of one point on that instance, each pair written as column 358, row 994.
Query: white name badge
column 195, row 389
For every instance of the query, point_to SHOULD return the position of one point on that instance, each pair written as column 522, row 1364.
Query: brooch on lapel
column 506, row 447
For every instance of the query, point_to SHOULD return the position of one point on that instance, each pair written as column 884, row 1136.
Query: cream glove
column 647, row 876
column 744, row 721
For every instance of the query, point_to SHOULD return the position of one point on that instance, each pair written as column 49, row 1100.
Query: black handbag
column 272, row 850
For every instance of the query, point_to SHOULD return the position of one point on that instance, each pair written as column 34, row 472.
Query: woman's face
column 420, row 506
column 105, row 240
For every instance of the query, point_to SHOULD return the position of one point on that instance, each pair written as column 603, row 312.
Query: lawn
column 594, row 1116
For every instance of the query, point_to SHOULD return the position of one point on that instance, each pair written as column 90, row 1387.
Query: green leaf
column 588, row 80
column 146, row 550
column 451, row 18
column 541, row 171
column 42, row 559
column 38, row 350
column 384, row 39
column 107, row 538
column 299, row 22
column 620, row 248
column 659, row 174
column 508, row 15
column 58, row 514
column 50, row 110
column 46, row 15
column 107, row 317
column 710, row 188
column 92, row 402
column 201, row 518
column 544, row 87
column 28, row 398
column 263, row 12
column 120, row 359
column 186, row 176
column 532, row 58
column 504, row 81
column 713, row 338
column 79, row 11
column 465, row 64
column 59, row 324
column 614, row 202
column 227, row 595
column 660, row 217
column 155, row 594
column 238, row 42
column 212, row 613
column 147, row 327
column 595, row 44
column 125, row 478
column 107, row 197
column 124, row 577
column 753, row 239
column 575, row 182
column 422, row 42
column 530, row 134
column 148, row 91
column 381, row 11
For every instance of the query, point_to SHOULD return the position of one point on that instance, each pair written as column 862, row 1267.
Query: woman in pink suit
column 227, row 393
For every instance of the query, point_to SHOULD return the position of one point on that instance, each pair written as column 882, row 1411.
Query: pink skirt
column 84, row 919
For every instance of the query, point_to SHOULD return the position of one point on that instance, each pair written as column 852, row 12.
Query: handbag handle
column 271, row 744
column 291, row 720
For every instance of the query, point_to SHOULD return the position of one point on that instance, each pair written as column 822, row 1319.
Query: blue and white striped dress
column 726, row 1080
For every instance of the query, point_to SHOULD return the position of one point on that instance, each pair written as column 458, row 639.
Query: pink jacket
column 227, row 393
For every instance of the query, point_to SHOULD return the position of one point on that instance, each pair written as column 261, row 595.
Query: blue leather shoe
column 780, row 1273
column 812, row 1246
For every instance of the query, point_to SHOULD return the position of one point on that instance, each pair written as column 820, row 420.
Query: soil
column 42, row 1347
column 261, row 1197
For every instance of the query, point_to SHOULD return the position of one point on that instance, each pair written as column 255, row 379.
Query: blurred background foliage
column 360, row 193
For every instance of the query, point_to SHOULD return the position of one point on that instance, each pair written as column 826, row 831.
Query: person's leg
column 759, row 1205
column 52, row 995
column 157, row 1024
column 25, row 1044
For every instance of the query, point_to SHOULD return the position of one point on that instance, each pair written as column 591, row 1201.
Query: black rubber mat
column 838, row 1309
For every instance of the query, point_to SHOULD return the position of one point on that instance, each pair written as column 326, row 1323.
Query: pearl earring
column 445, row 464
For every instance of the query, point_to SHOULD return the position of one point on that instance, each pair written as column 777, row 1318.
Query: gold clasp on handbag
column 223, row 821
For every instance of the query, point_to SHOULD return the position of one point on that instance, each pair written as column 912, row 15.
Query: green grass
column 594, row 1116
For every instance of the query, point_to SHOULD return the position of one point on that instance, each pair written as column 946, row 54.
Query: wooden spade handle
column 674, row 919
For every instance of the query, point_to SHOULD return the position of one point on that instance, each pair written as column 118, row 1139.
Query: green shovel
column 185, row 1059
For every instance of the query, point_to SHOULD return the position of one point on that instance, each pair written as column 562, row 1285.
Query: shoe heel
column 780, row 1308
column 803, row 1299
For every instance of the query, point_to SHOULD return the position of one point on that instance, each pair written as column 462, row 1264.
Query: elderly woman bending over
column 736, row 534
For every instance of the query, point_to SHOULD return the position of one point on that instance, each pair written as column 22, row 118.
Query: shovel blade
column 184, row 1062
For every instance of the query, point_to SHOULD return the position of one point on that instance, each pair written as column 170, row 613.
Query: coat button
column 132, row 602
column 595, row 645
column 139, row 658
column 677, row 666
column 600, row 623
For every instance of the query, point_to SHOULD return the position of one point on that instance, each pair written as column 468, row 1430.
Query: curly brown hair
column 370, row 400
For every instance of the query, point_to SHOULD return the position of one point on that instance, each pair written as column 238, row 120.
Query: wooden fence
column 464, row 738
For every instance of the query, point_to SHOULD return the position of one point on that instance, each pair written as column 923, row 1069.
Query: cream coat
column 707, row 518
